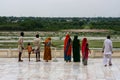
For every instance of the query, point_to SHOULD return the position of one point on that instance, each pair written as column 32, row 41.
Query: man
column 107, row 51
column 36, row 43
column 20, row 46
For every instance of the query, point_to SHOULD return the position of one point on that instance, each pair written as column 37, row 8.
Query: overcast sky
column 60, row 8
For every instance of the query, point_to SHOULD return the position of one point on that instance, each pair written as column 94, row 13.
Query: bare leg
column 46, row 61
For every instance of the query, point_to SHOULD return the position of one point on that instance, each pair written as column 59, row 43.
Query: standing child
column 29, row 48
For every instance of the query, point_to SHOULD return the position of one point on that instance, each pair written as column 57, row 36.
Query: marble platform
column 55, row 52
column 10, row 69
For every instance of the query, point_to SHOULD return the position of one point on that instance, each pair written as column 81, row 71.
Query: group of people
column 75, row 46
column 69, row 46
column 36, row 42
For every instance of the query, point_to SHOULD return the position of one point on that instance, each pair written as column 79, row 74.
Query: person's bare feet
column 110, row 64
column 46, row 61
column 20, row 60
column 105, row 65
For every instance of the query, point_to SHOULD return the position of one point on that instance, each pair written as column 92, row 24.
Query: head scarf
column 84, row 42
column 48, row 39
column 66, row 39
column 75, row 37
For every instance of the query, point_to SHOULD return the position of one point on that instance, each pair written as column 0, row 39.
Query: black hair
column 28, row 43
column 108, row 37
column 37, row 35
column 22, row 34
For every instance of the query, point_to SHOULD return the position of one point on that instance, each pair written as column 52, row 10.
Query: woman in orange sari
column 67, row 48
column 47, row 49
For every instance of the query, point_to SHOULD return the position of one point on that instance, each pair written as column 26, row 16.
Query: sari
column 67, row 48
column 76, row 49
column 84, row 51
column 47, row 49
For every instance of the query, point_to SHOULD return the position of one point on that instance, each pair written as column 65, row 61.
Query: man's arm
column 103, row 47
column 111, row 46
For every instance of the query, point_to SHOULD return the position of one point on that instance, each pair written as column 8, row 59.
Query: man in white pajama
column 107, row 51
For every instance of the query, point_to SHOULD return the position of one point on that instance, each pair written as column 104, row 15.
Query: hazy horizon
column 60, row 8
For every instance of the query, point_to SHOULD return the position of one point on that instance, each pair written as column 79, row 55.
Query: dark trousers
column 38, row 56
column 19, row 56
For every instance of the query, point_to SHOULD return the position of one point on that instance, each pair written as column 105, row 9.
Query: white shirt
column 36, row 43
column 20, row 41
column 107, row 46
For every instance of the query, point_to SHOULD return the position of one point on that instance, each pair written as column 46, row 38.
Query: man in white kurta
column 36, row 43
column 107, row 51
column 20, row 46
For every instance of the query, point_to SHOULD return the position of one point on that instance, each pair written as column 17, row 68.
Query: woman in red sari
column 67, row 48
column 85, row 51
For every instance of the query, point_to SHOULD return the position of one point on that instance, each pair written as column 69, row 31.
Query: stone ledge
column 13, row 53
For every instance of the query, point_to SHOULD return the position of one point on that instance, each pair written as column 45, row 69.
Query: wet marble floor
column 10, row 69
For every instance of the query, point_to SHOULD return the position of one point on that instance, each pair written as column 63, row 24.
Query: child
column 29, row 48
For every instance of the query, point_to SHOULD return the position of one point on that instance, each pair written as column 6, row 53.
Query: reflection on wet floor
column 10, row 69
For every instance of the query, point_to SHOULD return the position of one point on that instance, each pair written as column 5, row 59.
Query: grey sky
column 60, row 8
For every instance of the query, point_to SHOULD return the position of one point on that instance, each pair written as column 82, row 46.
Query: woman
column 76, row 49
column 67, row 48
column 47, row 49
column 85, row 51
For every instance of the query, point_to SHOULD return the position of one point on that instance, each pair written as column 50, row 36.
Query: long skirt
column 47, row 53
column 84, row 61
column 66, row 57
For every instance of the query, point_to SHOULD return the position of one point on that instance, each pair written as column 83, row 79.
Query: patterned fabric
column 47, row 53
column 67, row 48
column 47, row 49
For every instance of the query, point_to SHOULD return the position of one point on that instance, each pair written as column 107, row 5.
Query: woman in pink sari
column 85, row 51
column 67, row 48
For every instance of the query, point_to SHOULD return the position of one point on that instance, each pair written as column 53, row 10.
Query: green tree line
column 57, row 23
